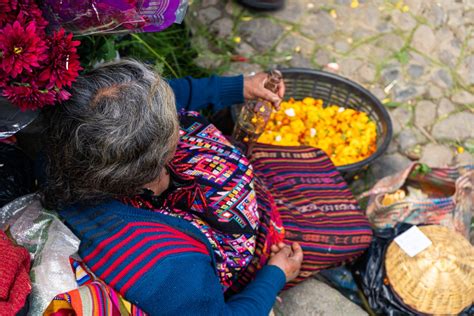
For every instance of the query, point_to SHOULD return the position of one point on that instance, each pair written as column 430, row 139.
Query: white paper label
column 413, row 241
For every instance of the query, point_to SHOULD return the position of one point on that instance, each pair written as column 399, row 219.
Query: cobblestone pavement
column 417, row 56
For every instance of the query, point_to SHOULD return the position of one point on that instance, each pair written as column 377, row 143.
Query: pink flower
column 64, row 65
column 29, row 97
column 21, row 48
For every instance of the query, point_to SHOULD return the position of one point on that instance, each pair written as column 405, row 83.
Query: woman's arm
column 217, row 92
column 188, row 285
column 220, row 92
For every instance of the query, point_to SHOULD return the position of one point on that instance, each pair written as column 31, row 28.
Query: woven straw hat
column 438, row 280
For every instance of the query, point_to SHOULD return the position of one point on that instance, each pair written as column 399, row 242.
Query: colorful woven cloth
column 447, row 198
column 14, row 276
column 213, row 188
column 92, row 298
column 315, row 204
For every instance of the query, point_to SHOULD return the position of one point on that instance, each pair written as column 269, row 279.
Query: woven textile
column 316, row 206
column 213, row 188
column 93, row 297
column 447, row 198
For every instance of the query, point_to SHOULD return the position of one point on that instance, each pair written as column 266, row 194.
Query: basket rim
column 382, row 111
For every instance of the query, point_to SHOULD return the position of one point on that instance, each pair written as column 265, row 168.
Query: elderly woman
column 170, row 214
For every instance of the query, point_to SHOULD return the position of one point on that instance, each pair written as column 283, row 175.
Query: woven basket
column 340, row 91
column 440, row 279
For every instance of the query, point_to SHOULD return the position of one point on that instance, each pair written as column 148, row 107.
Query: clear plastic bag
column 50, row 244
column 114, row 16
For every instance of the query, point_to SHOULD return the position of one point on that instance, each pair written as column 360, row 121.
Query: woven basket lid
column 438, row 280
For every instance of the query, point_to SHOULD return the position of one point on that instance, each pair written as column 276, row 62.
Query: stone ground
column 417, row 56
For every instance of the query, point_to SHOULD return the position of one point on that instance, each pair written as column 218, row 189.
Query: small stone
column 341, row 46
column 367, row 73
column 261, row 33
column 415, row 71
column 403, row 21
column 392, row 147
column 388, row 165
column 463, row 97
column 400, row 118
column 222, row 27
column 413, row 153
column 466, row 70
column 464, row 159
column 391, row 42
column 414, row 5
column 408, row 138
column 293, row 41
column 206, row 16
column 244, row 49
column 437, row 156
column 405, row 93
column 391, row 73
column 300, row 61
column 344, row 2
column 293, row 11
column 350, row 67
column 455, row 127
column 435, row 15
column 445, row 107
column 378, row 92
column 314, row 297
column 320, row 24
column 434, row 92
column 443, row 78
column 424, row 39
column 425, row 113
column 322, row 57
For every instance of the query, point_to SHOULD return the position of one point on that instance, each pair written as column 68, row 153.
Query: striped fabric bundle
column 93, row 297
column 315, row 204
column 446, row 198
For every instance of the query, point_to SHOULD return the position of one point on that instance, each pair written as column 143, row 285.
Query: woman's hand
column 287, row 258
column 254, row 87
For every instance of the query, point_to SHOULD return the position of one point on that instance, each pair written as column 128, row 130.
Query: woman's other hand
column 254, row 87
column 288, row 258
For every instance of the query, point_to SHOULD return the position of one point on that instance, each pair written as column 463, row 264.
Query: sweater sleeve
column 215, row 91
column 188, row 285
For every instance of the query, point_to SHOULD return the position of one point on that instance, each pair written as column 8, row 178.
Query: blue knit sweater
column 163, row 264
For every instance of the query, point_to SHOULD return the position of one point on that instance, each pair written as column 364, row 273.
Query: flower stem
column 139, row 39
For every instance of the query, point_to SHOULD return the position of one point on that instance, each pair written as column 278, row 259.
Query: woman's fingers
column 297, row 251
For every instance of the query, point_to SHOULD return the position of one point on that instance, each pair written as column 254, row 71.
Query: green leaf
column 402, row 56
column 392, row 104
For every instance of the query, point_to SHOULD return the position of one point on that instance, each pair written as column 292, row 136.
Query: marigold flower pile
column 346, row 135
column 35, row 67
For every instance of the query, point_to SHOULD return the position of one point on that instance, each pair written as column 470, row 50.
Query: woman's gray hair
column 115, row 134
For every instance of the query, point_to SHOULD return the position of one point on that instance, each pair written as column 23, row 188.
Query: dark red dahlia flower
column 64, row 65
column 28, row 97
column 21, row 48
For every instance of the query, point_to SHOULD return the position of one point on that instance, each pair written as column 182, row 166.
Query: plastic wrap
column 16, row 173
column 50, row 244
column 12, row 119
column 119, row 16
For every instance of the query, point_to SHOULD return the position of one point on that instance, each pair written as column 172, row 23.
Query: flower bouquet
column 35, row 67
column 114, row 16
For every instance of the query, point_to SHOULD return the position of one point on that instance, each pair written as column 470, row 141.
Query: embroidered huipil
column 213, row 188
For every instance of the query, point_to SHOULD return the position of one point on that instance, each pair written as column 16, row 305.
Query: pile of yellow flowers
column 346, row 135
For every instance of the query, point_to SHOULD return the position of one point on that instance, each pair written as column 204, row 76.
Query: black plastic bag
column 16, row 174
column 369, row 271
